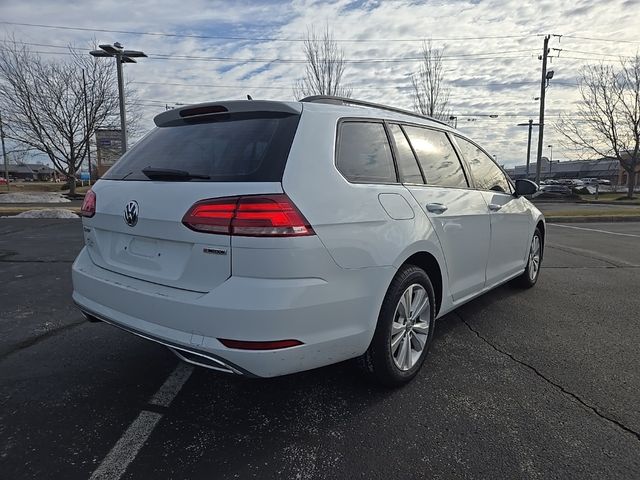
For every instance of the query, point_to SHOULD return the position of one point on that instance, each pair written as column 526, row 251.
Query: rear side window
column 440, row 164
column 364, row 154
column 486, row 174
column 407, row 164
column 235, row 147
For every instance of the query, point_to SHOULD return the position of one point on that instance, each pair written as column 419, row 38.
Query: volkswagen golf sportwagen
column 263, row 238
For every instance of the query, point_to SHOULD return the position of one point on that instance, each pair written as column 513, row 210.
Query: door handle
column 494, row 207
column 436, row 207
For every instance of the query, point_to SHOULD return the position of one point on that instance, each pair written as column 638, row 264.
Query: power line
column 169, row 56
column 595, row 39
column 589, row 53
column 259, row 39
column 359, row 87
column 281, row 61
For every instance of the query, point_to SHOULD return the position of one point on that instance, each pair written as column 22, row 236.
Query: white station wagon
column 264, row 238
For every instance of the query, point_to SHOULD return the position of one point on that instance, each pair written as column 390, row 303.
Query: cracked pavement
column 529, row 384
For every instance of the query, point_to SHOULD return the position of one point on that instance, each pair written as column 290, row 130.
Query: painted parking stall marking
column 596, row 230
column 127, row 447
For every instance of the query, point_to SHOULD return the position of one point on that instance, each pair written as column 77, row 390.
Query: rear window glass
column 240, row 147
column 364, row 154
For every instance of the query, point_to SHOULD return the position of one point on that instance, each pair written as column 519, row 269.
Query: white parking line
column 127, row 447
column 172, row 385
column 596, row 230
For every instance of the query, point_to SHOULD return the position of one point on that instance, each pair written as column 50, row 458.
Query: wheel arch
column 428, row 262
column 542, row 227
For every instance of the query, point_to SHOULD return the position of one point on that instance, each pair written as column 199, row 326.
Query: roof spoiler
column 177, row 116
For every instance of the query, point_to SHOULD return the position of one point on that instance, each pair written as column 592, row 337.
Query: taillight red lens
column 88, row 205
column 211, row 216
column 249, row 216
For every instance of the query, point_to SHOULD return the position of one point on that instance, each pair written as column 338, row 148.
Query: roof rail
column 362, row 103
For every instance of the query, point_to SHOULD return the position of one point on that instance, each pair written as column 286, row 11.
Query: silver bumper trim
column 202, row 359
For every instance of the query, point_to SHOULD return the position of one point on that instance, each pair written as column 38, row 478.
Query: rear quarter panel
column 349, row 218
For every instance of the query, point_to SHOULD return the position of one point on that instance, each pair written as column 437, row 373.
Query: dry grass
column 612, row 197
column 609, row 212
column 24, row 187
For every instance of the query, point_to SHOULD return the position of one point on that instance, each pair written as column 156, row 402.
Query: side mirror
column 525, row 187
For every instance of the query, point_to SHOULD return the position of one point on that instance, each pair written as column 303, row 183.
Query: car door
column 457, row 213
column 511, row 225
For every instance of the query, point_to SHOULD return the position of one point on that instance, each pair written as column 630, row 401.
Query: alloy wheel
column 410, row 327
column 534, row 258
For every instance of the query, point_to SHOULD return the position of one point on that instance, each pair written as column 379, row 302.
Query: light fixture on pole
column 122, row 56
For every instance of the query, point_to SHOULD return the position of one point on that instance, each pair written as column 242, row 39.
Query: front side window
column 440, row 164
column 486, row 174
column 364, row 154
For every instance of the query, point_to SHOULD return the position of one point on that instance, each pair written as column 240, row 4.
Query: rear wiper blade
column 171, row 174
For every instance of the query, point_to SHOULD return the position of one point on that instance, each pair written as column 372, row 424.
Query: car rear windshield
column 233, row 147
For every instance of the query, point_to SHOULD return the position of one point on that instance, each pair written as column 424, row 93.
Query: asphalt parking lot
column 543, row 383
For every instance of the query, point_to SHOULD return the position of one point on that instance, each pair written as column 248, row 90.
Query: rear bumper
column 333, row 317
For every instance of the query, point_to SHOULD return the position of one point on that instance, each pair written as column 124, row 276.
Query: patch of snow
column 36, row 197
column 46, row 213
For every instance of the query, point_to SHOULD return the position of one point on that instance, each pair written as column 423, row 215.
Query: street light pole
column 550, row 156
column 4, row 153
column 530, row 124
column 123, row 111
column 86, row 121
column 121, row 56
column 529, row 147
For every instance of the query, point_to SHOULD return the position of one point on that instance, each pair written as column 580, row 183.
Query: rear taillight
column 248, row 216
column 88, row 205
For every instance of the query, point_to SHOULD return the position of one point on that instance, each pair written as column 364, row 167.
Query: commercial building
column 603, row 168
column 30, row 171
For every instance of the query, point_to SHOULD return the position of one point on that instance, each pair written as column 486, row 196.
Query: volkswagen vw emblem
column 131, row 213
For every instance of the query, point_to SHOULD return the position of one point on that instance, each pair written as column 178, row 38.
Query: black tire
column 527, row 279
column 378, row 360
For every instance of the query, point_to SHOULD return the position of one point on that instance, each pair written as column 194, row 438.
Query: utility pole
column 86, row 120
column 543, row 90
column 4, row 154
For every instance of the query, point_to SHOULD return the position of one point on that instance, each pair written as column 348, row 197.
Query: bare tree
column 324, row 68
column 608, row 119
column 43, row 103
column 430, row 94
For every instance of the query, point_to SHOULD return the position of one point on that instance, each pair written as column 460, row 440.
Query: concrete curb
column 594, row 219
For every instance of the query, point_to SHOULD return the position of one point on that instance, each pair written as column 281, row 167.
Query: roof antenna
column 249, row 97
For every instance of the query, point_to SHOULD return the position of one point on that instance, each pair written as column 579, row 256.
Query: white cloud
column 488, row 85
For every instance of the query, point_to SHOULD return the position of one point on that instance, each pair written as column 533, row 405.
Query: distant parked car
column 589, row 181
column 604, row 182
column 3, row 181
column 555, row 190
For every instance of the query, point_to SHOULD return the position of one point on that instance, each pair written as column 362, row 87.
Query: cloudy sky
column 204, row 50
